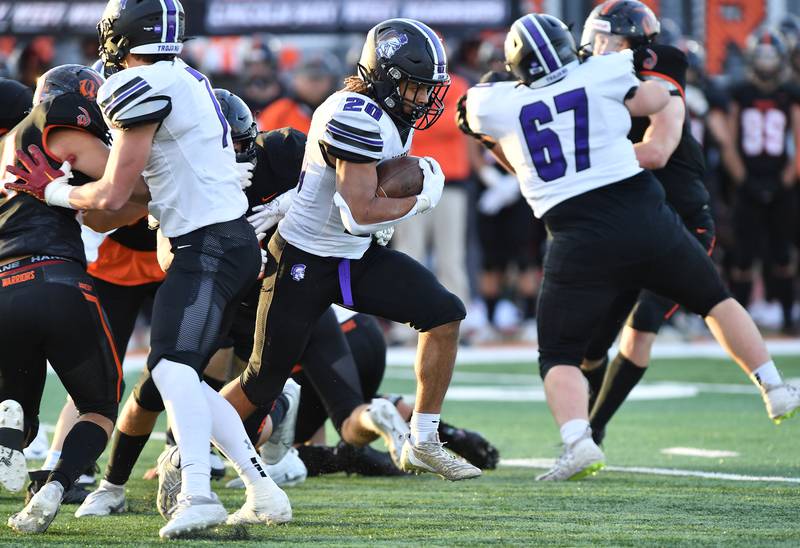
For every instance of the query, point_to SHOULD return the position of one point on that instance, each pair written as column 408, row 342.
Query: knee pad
column 147, row 395
column 448, row 309
column 546, row 364
column 257, row 389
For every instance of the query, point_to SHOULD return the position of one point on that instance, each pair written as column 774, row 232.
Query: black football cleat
column 74, row 495
column 366, row 461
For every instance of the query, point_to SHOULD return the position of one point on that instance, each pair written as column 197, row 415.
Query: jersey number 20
column 543, row 143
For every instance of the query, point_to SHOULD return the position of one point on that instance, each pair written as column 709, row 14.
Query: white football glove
column 263, row 262
column 245, row 170
column 265, row 216
column 504, row 193
column 432, row 184
column 382, row 237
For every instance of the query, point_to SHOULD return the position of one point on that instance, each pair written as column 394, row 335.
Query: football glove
column 383, row 236
column 41, row 180
column 263, row 263
column 265, row 216
column 432, row 184
column 245, row 170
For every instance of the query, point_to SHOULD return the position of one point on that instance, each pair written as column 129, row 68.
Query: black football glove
column 470, row 445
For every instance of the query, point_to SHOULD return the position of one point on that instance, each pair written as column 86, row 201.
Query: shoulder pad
column 133, row 97
column 354, row 127
column 75, row 110
column 664, row 62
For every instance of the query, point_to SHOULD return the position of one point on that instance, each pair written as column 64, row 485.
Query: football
column 399, row 177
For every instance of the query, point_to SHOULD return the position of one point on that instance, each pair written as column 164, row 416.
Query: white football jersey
column 566, row 138
column 353, row 127
column 191, row 172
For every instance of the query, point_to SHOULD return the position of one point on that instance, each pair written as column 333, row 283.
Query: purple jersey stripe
column 343, row 133
column 172, row 20
column 137, row 87
column 541, row 44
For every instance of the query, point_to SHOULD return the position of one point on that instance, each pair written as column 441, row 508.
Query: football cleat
column 282, row 437
column 383, row 418
column 13, row 470
column 266, row 503
column 430, row 456
column 39, row 446
column 193, row 513
column 782, row 401
column 578, row 460
column 74, row 495
column 169, row 481
column 107, row 499
column 290, row 471
column 40, row 512
column 217, row 465
column 89, row 476
column 365, row 461
column 470, row 445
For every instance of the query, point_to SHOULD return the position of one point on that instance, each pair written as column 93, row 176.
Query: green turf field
column 506, row 507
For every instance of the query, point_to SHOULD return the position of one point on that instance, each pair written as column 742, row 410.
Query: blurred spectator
column 260, row 83
column 34, row 60
column 312, row 82
column 444, row 228
column 16, row 99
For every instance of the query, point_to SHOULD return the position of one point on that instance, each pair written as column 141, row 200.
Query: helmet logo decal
column 602, row 25
column 88, row 89
column 83, row 119
column 389, row 45
column 651, row 61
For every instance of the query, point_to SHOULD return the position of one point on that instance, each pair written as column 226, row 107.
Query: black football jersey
column 682, row 176
column 27, row 225
column 136, row 236
column 764, row 127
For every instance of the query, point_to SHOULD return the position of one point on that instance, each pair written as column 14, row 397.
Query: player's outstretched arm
column 649, row 98
column 662, row 136
column 128, row 157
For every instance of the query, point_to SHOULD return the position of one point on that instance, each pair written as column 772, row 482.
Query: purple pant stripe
column 344, row 282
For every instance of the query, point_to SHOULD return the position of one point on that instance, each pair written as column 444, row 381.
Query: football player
column 322, row 252
column 169, row 127
column 664, row 144
column 16, row 99
column 764, row 117
column 50, row 308
column 563, row 129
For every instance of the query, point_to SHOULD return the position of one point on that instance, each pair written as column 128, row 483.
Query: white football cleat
column 266, row 503
column 40, row 512
column 107, row 499
column 782, row 401
column 282, row 437
column 169, row 481
column 13, row 469
column 39, row 446
column 578, row 460
column 383, row 418
column 193, row 513
column 290, row 471
column 430, row 456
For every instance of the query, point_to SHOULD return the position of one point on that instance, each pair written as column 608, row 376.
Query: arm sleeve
column 615, row 76
column 665, row 64
column 128, row 101
column 352, row 135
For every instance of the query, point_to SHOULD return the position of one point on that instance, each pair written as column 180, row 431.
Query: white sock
column 51, row 460
column 110, row 486
column 766, row 374
column 190, row 418
column 229, row 435
column 572, row 431
column 424, row 427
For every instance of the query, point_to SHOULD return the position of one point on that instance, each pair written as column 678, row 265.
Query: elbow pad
column 357, row 229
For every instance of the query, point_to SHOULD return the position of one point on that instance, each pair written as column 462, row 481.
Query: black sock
column 170, row 438
column 83, row 445
column 595, row 378
column 621, row 377
column 125, row 451
column 491, row 306
column 279, row 411
column 216, row 384
column 529, row 307
column 255, row 423
column 784, row 292
column 741, row 291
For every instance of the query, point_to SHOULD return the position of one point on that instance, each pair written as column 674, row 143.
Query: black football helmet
column 628, row 19
column 766, row 54
column 243, row 126
column 67, row 79
column 148, row 27
column 399, row 53
column 539, row 50
column 16, row 99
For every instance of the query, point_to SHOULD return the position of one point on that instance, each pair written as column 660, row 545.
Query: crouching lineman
column 49, row 310
column 169, row 127
column 322, row 253
column 563, row 130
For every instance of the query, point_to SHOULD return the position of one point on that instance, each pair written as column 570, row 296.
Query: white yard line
column 697, row 452
column 674, row 472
